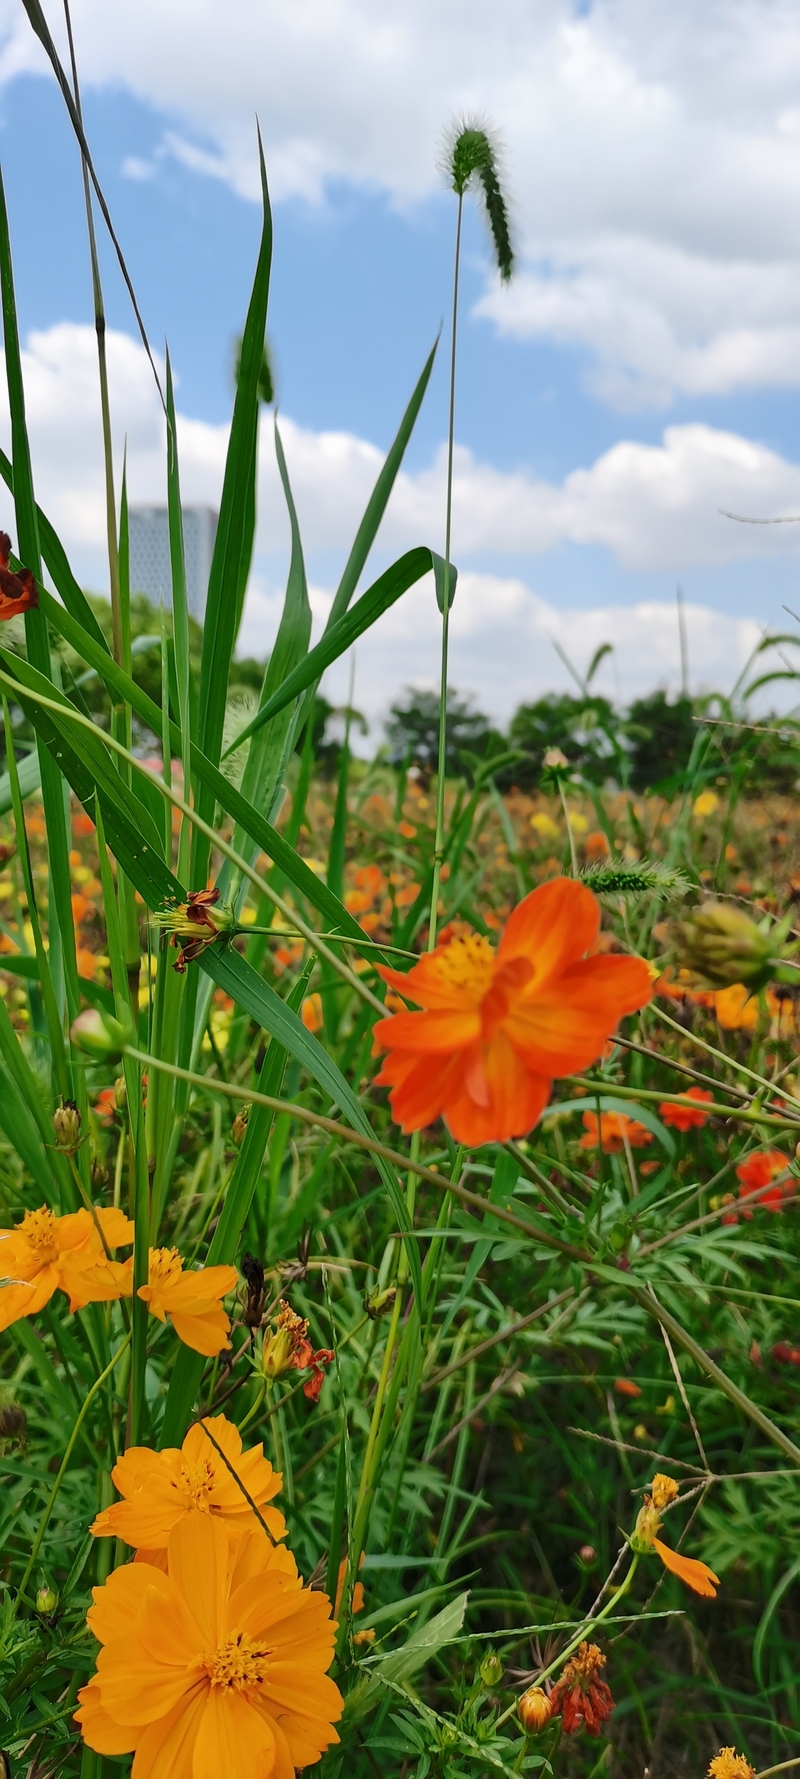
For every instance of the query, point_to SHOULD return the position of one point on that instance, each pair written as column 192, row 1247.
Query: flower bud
column 554, row 759
column 120, row 1093
column 99, row 1035
column 13, row 1425
column 239, row 1126
column 67, row 1127
column 46, row 1601
column 722, row 945
column 534, row 1710
column 99, row 1175
column 379, row 1303
column 491, row 1669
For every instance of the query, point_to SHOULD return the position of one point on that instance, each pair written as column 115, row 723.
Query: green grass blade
column 378, row 599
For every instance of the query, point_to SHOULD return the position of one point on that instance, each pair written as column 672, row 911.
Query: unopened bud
column 722, row 945
column 13, row 1425
column 46, row 1601
column 99, row 1035
column 100, row 1175
column 379, row 1303
column 491, row 1669
column 587, row 1553
column 239, row 1126
column 534, row 1710
column 554, row 759
column 67, row 1127
column 120, row 1093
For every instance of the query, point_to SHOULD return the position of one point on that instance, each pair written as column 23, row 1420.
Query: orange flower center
column 165, row 1264
column 39, row 1228
column 238, row 1663
column 196, row 1483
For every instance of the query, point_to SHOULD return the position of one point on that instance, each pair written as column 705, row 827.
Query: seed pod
column 67, row 1127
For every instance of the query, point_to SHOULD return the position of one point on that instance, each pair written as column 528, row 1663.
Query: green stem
column 588, row 1625
column 53, row 1496
column 438, row 852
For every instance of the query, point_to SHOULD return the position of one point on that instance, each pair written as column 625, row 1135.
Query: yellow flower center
column 238, row 1663
column 468, row 962
column 196, row 1483
column 39, row 1228
column 165, row 1264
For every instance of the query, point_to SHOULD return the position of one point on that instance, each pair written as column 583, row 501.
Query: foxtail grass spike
column 643, row 877
column 472, row 156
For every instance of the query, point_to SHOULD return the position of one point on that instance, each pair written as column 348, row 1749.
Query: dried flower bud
column 379, row 1303
column 46, row 1601
column 101, row 1036
column 239, row 1125
column 722, row 945
column 67, row 1127
column 100, row 1174
column 13, row 1421
column 535, row 1710
column 253, row 1274
column 491, row 1669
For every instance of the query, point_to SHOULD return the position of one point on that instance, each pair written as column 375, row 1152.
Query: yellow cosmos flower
column 690, row 1570
column 159, row 1489
column 217, row 1667
column 730, row 1765
column 47, row 1253
column 192, row 1300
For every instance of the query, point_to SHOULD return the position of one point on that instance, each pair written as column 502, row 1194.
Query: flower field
column 399, row 1346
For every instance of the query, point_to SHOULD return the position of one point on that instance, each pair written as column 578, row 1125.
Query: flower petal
column 234, row 1738
column 696, row 1575
column 553, row 927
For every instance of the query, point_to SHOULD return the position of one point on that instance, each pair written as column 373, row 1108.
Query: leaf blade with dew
column 473, row 156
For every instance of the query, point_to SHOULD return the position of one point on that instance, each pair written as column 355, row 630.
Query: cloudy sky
column 641, row 371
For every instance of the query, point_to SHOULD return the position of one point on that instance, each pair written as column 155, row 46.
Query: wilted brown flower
column 580, row 1696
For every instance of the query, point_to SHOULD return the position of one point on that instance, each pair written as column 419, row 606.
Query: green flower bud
column 722, row 945
column 239, row 1125
column 99, row 1035
column 491, row 1669
column 67, row 1127
column 46, row 1600
column 379, row 1303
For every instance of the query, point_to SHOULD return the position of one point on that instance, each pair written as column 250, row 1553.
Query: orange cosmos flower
column 686, row 1117
column 614, row 1129
column 645, row 1538
column 159, row 1489
column 288, row 1348
column 47, row 1253
column 217, row 1667
column 496, row 1028
column 18, row 592
column 730, row 1765
column 192, row 1300
column 736, row 1008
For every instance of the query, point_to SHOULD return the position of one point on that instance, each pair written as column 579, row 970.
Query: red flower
column 756, row 1173
column 18, row 592
column 686, row 1117
column 579, row 1696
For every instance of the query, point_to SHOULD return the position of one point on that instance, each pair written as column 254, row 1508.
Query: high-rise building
column 150, row 570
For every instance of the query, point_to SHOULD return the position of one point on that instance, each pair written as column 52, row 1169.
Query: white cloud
column 655, row 507
column 652, row 507
column 502, row 646
column 653, row 150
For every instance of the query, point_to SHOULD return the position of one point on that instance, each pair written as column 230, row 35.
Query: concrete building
column 150, row 571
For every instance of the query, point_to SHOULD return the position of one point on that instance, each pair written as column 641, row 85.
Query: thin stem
column 438, row 852
column 588, row 1624
column 82, row 1413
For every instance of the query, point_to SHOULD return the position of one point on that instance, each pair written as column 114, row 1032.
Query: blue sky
column 643, row 370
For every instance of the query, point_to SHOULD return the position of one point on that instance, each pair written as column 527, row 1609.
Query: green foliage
column 412, row 733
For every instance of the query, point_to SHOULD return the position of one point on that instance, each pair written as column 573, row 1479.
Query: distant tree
column 587, row 730
column 412, row 732
column 661, row 734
